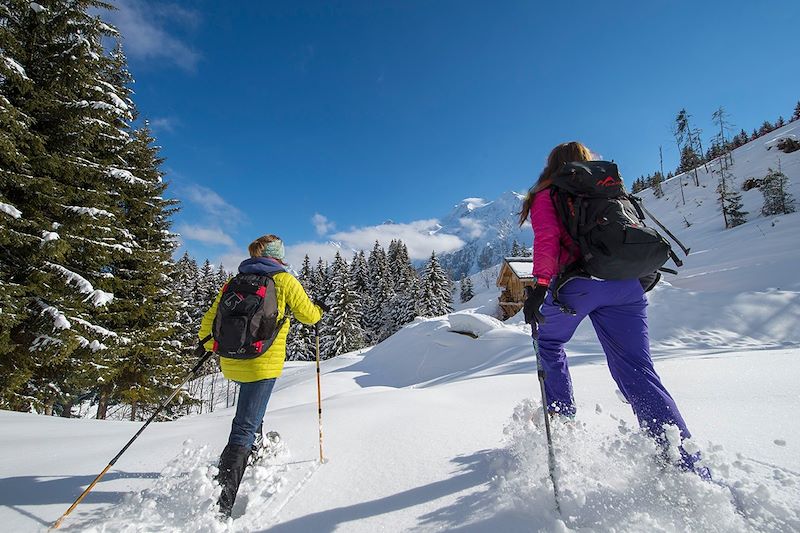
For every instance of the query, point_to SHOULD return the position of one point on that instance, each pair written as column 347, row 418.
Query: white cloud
column 214, row 204
column 231, row 259
column 326, row 250
column 163, row 124
column 473, row 226
column 322, row 224
column 207, row 235
column 420, row 237
column 142, row 25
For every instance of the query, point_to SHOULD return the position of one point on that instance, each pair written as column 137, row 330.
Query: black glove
column 320, row 302
column 534, row 298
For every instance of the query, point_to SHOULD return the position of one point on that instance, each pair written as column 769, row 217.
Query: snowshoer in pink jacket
column 617, row 309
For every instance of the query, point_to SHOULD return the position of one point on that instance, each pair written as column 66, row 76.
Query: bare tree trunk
column 202, row 386
column 722, row 196
column 213, row 389
column 702, row 154
column 67, row 412
column 102, row 405
column 133, row 411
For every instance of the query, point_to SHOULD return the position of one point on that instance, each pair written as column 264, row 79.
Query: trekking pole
column 200, row 349
column 551, row 455
column 319, row 395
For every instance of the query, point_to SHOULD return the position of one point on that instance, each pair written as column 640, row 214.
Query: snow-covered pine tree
column 690, row 159
column 392, row 262
column 796, row 113
column 403, row 305
column 301, row 343
column 207, row 286
column 467, row 292
column 736, row 215
column 189, row 314
column 222, row 277
column 320, row 283
column 381, row 293
column 79, row 116
column 730, row 201
column 341, row 328
column 359, row 277
column 435, row 293
column 777, row 199
column 656, row 182
column 326, row 326
column 765, row 128
column 17, row 234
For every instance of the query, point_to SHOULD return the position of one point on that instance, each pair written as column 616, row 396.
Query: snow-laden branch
column 16, row 67
column 48, row 236
column 59, row 319
column 94, row 327
column 10, row 210
column 94, row 345
column 125, row 175
column 93, row 212
column 42, row 341
column 120, row 247
column 96, row 296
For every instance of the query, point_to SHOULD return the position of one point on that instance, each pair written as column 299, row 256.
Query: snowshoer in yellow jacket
column 256, row 377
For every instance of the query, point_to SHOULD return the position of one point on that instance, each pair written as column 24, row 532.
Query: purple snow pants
column 618, row 311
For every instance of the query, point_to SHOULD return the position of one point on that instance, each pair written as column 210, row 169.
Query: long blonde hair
column 563, row 153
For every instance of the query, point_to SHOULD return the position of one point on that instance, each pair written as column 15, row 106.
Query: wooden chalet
column 515, row 275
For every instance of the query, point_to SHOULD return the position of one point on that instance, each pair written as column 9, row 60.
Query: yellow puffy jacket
column 269, row 365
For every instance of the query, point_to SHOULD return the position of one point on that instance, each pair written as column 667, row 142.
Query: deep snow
column 438, row 427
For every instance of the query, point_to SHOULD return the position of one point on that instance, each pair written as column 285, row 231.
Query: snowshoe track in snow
column 184, row 496
column 612, row 482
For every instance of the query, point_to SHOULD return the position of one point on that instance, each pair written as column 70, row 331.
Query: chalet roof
column 521, row 266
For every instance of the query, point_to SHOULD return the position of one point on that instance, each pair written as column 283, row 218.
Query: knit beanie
column 274, row 249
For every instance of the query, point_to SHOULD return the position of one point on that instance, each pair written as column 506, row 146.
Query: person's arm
column 546, row 237
column 298, row 301
column 208, row 322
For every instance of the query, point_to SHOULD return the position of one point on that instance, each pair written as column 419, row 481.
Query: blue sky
column 320, row 121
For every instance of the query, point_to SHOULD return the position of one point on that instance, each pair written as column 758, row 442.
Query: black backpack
column 607, row 223
column 246, row 322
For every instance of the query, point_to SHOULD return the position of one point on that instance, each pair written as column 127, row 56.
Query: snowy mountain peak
column 472, row 203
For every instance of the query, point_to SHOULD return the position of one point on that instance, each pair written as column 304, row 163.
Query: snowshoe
column 265, row 446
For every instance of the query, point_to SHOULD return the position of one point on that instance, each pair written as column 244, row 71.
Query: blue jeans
column 250, row 409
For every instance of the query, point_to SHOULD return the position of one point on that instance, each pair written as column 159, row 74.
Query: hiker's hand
column 320, row 302
column 534, row 298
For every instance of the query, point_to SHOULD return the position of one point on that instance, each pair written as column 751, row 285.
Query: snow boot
column 232, row 464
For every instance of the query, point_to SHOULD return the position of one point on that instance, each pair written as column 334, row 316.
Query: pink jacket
column 553, row 248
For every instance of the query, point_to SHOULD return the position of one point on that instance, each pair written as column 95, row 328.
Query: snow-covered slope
column 432, row 430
